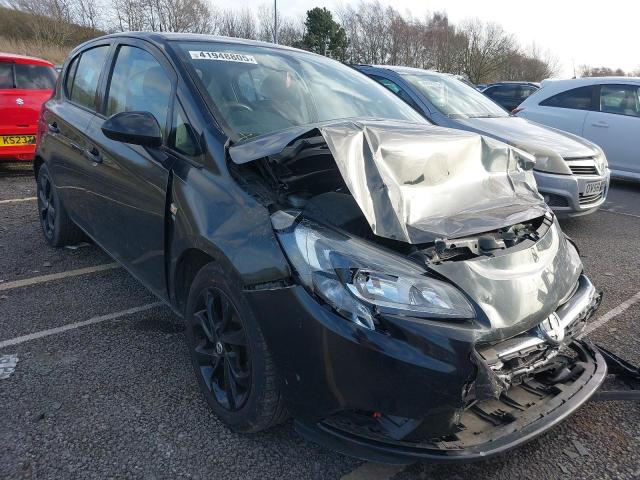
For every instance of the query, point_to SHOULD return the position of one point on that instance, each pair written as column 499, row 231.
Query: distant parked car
column 605, row 110
column 25, row 84
column 480, row 86
column 571, row 172
column 510, row 94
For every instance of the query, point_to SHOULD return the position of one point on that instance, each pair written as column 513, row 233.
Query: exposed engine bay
column 391, row 183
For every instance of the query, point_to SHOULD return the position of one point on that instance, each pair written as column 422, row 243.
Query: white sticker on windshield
column 222, row 56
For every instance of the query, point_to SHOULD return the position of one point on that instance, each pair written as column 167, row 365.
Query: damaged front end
column 436, row 301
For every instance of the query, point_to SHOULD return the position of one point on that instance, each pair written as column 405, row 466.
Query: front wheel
column 233, row 366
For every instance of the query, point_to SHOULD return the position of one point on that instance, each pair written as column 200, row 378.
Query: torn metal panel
column 416, row 183
column 518, row 289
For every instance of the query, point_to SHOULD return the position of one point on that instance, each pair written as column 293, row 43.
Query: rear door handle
column 53, row 127
column 600, row 124
column 93, row 155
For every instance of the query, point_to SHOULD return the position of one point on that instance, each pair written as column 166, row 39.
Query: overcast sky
column 596, row 33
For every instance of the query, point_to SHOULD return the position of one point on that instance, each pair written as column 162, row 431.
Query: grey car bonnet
column 416, row 183
column 549, row 145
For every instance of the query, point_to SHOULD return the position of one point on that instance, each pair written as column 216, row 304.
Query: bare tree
column 488, row 49
column 88, row 13
column 588, row 71
column 240, row 24
column 130, row 15
column 50, row 20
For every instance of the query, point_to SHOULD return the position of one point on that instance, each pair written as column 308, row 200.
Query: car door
column 129, row 182
column 67, row 117
column 565, row 110
column 616, row 126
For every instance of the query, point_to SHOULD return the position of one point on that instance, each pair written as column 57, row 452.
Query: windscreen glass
column 258, row 90
column 453, row 97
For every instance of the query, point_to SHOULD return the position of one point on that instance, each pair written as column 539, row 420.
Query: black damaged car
column 399, row 289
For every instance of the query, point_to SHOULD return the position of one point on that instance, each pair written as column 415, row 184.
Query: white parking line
column 56, row 276
column 620, row 213
column 373, row 471
column 614, row 312
column 73, row 326
column 18, row 200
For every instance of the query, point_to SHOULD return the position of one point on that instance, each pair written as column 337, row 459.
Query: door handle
column 93, row 155
column 600, row 124
column 53, row 127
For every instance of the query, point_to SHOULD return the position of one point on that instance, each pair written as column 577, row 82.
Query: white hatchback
column 605, row 110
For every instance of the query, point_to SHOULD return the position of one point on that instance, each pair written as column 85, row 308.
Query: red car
column 25, row 84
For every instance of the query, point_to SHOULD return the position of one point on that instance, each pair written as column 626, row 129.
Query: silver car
column 571, row 172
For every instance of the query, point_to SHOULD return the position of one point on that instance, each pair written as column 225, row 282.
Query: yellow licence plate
column 13, row 140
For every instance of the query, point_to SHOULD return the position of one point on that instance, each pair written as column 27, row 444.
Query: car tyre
column 59, row 230
column 234, row 368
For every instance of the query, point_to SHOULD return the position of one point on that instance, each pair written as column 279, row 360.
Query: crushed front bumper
column 346, row 385
column 486, row 428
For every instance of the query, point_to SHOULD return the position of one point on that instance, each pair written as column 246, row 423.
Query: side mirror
column 137, row 128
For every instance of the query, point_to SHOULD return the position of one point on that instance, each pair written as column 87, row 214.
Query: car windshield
column 453, row 97
column 259, row 90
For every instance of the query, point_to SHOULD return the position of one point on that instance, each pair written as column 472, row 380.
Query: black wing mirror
column 137, row 128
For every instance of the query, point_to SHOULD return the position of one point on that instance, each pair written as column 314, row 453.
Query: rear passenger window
column 6, row 75
column 85, row 81
column 620, row 99
column 139, row 84
column 577, row 98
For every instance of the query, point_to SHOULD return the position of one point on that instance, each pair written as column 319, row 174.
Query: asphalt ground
column 117, row 398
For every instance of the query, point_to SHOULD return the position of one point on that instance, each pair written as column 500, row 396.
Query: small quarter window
column 183, row 137
column 71, row 72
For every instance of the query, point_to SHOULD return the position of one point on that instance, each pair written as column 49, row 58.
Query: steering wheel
column 238, row 106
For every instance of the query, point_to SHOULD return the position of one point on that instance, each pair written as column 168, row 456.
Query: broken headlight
column 362, row 281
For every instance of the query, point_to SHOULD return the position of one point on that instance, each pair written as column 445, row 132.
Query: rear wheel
column 57, row 227
column 232, row 363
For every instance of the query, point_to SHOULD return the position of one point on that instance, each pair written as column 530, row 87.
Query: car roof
column 553, row 87
column 584, row 81
column 401, row 69
column 513, row 82
column 15, row 58
column 161, row 38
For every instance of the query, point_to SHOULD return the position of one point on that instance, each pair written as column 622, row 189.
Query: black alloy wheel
column 57, row 227
column 46, row 205
column 221, row 349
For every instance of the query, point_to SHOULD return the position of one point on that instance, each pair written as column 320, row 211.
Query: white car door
column 616, row 126
column 565, row 110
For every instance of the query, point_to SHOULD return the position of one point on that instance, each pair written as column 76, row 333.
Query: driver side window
column 139, row 83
